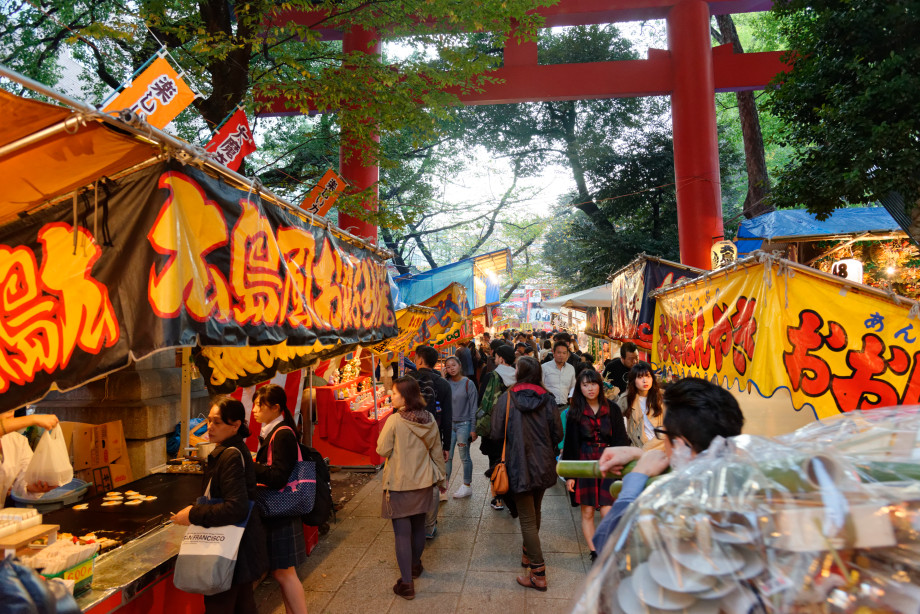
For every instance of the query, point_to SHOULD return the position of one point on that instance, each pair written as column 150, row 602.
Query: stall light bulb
column 890, row 270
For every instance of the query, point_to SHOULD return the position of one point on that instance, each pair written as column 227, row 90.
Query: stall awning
column 599, row 296
column 47, row 151
column 118, row 240
column 478, row 274
column 789, row 225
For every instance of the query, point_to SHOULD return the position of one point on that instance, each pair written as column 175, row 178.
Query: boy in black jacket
column 438, row 396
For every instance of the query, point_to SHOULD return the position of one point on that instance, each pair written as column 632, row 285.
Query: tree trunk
column 754, row 155
column 387, row 235
column 566, row 116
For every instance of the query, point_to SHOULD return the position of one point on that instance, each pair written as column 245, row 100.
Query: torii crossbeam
column 691, row 71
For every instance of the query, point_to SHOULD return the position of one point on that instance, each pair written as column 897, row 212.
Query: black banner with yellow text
column 169, row 257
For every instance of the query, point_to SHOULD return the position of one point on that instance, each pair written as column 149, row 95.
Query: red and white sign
column 232, row 142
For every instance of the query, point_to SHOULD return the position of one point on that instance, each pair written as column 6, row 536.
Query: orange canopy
column 48, row 151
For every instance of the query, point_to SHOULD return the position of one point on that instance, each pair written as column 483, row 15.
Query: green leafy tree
column 239, row 51
column 849, row 103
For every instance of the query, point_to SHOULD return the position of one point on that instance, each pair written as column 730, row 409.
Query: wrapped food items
column 825, row 520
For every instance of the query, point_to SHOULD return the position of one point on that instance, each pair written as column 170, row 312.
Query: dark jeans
column 528, row 508
column 238, row 599
column 410, row 542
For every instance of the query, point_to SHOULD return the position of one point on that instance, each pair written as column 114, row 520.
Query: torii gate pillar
column 358, row 175
column 696, row 146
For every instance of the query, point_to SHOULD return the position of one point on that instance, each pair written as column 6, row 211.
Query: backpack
column 429, row 393
column 494, row 389
column 322, row 507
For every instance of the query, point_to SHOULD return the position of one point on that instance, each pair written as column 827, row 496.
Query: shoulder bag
column 298, row 496
column 207, row 556
column 499, row 477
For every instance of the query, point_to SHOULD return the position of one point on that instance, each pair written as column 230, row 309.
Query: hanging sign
column 324, row 194
column 158, row 94
column 757, row 325
column 232, row 142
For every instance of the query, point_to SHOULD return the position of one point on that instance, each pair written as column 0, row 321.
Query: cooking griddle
column 173, row 491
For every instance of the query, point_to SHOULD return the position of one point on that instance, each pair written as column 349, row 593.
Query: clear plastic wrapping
column 824, row 520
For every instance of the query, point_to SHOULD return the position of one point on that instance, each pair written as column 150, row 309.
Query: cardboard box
column 99, row 453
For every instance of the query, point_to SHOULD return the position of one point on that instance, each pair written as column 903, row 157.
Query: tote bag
column 207, row 556
column 298, row 496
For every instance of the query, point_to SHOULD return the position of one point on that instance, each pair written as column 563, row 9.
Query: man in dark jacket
column 439, row 398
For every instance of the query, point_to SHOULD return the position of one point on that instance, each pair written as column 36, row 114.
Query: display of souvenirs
column 825, row 520
column 351, row 370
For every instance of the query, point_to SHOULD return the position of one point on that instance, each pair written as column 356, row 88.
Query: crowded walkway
column 470, row 566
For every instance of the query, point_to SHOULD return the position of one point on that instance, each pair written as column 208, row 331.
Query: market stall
column 770, row 324
column 632, row 307
column 118, row 241
column 351, row 409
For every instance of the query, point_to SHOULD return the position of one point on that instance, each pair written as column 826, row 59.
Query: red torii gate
column 690, row 71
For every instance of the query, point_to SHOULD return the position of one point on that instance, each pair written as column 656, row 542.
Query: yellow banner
column 834, row 346
column 158, row 95
column 409, row 321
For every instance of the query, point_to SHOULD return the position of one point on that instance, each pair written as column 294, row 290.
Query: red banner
column 232, row 142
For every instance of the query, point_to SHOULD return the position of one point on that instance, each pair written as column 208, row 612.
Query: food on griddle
column 150, row 498
column 109, row 503
column 131, row 492
column 81, row 506
column 134, row 502
column 113, row 493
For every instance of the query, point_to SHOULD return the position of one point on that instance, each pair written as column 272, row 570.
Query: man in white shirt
column 559, row 375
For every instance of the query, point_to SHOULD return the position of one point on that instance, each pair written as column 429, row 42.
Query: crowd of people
column 530, row 400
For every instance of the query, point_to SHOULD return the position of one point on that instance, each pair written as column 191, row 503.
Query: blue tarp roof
column 800, row 225
column 415, row 288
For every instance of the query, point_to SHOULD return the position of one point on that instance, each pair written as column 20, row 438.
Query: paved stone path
column 469, row 567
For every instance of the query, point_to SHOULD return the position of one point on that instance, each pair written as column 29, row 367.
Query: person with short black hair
column 617, row 370
column 520, row 349
column 697, row 412
column 559, row 375
column 438, row 398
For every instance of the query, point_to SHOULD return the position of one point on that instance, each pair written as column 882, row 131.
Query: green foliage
column 850, row 105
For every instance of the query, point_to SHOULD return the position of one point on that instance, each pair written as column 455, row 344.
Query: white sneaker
column 442, row 496
column 463, row 491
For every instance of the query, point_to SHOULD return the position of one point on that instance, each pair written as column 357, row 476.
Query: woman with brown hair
column 530, row 435
column 643, row 407
column 411, row 444
column 277, row 455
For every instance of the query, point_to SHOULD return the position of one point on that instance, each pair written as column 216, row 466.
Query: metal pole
column 185, row 398
column 308, row 431
column 374, row 382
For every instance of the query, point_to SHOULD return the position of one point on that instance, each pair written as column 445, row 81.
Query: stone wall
column 145, row 397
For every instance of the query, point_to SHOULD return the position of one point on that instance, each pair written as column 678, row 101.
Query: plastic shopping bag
column 50, row 462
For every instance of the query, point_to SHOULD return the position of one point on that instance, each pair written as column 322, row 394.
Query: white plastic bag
column 50, row 462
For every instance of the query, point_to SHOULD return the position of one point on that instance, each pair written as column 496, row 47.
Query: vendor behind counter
column 16, row 453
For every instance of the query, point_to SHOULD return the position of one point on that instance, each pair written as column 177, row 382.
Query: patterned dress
column 586, row 437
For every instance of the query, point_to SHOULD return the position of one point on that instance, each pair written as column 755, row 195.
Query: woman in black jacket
column 592, row 424
column 286, row 547
column 236, row 486
column 534, row 430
